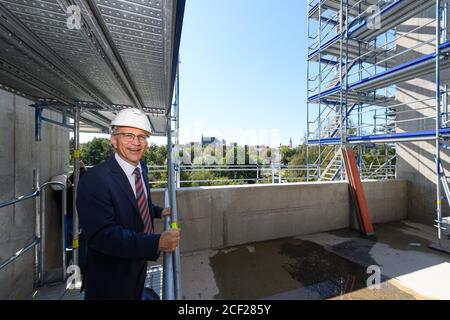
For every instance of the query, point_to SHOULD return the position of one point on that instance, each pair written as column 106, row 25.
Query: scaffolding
column 88, row 59
column 361, row 55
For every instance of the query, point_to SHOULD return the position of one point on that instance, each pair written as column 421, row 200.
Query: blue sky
column 243, row 71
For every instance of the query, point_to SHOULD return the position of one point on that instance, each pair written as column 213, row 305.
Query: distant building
column 289, row 145
column 211, row 141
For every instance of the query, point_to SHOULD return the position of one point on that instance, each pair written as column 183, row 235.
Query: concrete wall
column 415, row 160
column 218, row 217
column 19, row 154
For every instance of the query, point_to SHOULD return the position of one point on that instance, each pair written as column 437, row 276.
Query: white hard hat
column 134, row 118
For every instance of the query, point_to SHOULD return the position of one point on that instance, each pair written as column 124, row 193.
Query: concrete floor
column 401, row 250
column 330, row 265
column 58, row 291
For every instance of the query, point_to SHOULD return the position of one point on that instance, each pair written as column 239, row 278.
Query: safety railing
column 268, row 174
column 39, row 239
column 255, row 173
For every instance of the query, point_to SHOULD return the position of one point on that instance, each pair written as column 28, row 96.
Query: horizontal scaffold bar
column 389, row 17
column 382, row 138
column 413, row 68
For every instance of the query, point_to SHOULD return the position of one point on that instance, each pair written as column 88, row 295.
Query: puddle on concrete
column 314, row 266
column 251, row 274
column 398, row 234
column 291, row 269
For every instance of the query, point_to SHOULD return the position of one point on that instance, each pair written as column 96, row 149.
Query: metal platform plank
column 394, row 14
column 124, row 55
column 354, row 50
column 355, row 6
column 408, row 70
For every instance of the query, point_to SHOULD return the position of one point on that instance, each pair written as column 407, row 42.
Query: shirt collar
column 126, row 167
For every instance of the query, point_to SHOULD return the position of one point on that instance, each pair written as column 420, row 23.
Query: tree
column 156, row 155
column 214, row 179
column 156, row 159
column 96, row 151
column 286, row 154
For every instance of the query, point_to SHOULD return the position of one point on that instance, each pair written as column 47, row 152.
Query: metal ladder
column 333, row 168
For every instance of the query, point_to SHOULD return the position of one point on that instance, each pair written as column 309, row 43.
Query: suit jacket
column 117, row 247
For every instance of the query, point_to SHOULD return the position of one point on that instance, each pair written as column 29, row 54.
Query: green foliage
column 197, row 176
column 96, row 151
column 377, row 155
column 156, row 156
column 99, row 150
column 287, row 154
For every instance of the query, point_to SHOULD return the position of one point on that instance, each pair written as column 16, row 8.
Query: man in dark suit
column 116, row 214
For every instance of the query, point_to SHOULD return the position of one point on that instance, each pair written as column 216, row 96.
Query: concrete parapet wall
column 218, row 217
column 19, row 155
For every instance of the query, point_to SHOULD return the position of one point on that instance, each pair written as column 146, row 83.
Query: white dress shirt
column 129, row 169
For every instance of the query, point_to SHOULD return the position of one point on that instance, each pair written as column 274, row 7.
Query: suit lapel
column 122, row 180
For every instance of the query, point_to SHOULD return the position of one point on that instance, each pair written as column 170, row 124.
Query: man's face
column 130, row 148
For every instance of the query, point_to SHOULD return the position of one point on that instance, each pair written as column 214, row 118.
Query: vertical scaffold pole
column 386, row 151
column 38, row 108
column 257, row 172
column 177, row 124
column 173, row 207
column 43, row 242
column 168, row 289
column 307, row 95
column 346, row 115
column 445, row 106
column 438, row 120
column 76, row 177
column 444, row 39
column 340, row 60
column 319, row 123
column 37, row 230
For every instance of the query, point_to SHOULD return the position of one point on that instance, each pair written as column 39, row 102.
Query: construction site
column 377, row 86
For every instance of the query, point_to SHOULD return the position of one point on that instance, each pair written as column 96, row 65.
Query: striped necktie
column 142, row 202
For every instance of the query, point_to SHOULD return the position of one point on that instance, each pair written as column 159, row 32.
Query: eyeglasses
column 129, row 137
